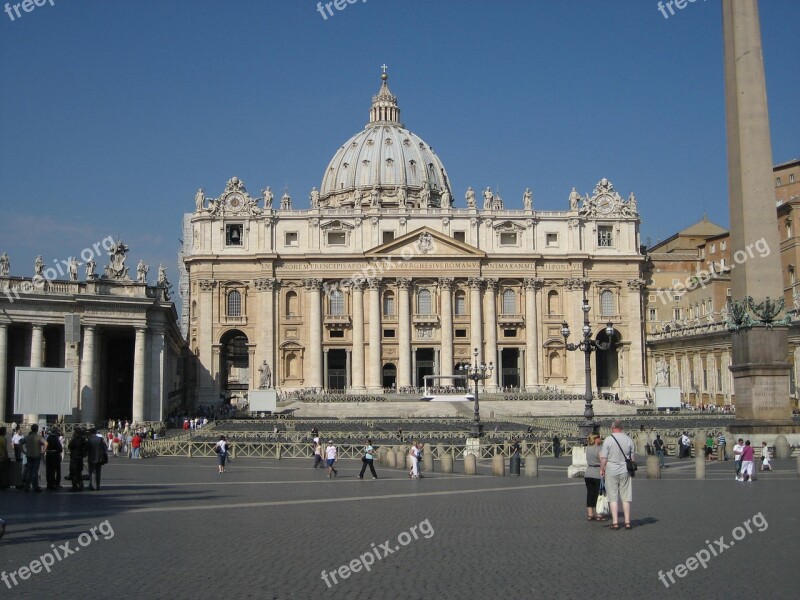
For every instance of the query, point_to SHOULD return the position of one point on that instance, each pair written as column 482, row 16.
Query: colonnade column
column 266, row 333
column 37, row 355
column 325, row 379
column 3, row 369
column 375, row 380
column 404, row 338
column 490, row 327
column 87, row 406
column 446, row 362
column 357, row 363
column 475, row 315
column 139, row 365
column 312, row 371
column 532, row 285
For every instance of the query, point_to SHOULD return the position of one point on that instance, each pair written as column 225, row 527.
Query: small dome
column 387, row 159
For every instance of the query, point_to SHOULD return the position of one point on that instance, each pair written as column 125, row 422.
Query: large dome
column 385, row 163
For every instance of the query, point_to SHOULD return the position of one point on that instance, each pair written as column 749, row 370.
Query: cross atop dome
column 384, row 104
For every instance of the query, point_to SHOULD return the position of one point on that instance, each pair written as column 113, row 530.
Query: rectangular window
column 777, row 181
column 723, row 245
column 388, row 333
column 651, row 314
column 676, row 314
column 337, row 238
column 290, row 238
column 461, row 333
column 551, row 240
column 791, row 177
column 460, row 236
column 234, row 235
column 713, row 249
column 605, row 237
column 509, row 333
column 388, row 236
column 336, row 333
column 508, row 239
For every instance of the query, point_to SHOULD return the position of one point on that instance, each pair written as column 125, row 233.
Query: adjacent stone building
column 388, row 275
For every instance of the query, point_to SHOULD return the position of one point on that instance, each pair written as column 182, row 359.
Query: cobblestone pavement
column 268, row 529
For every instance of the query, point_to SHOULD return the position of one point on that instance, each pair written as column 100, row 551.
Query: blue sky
column 113, row 113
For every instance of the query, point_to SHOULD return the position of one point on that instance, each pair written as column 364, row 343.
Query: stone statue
column 38, row 266
column 141, row 271
column 5, row 265
column 470, row 198
column 373, row 197
column 424, row 196
column 266, row 376
column 446, row 200
column 662, row 373
column 314, row 197
column 795, row 295
column 488, row 197
column 162, row 275
column 199, row 200
column 574, row 198
column 632, row 203
column 91, row 265
column 402, row 198
column 116, row 268
column 268, row 196
column 73, row 269
column 527, row 199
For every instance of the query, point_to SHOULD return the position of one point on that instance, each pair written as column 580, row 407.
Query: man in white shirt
column 330, row 455
column 616, row 448
column 737, row 456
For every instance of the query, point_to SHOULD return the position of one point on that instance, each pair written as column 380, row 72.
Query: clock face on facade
column 605, row 204
column 235, row 201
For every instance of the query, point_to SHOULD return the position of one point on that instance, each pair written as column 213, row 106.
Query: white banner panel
column 42, row 391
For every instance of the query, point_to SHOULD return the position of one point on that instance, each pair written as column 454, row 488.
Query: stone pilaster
column 490, row 329
column 375, row 378
column 446, row 293
column 475, row 315
column 532, row 287
column 357, row 364
column 404, row 338
column 266, row 331
column 312, row 369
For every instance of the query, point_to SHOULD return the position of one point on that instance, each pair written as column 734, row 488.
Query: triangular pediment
column 425, row 242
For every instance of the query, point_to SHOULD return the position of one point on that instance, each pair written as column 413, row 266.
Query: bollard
column 498, row 465
column 391, row 459
column 189, row 450
column 513, row 468
column 699, row 446
column 403, row 459
column 531, row 466
column 782, row 448
column 653, row 467
column 700, row 466
column 278, row 451
column 446, row 463
column 427, row 462
column 470, row 465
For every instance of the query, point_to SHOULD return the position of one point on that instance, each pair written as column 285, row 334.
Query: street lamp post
column 587, row 345
column 477, row 372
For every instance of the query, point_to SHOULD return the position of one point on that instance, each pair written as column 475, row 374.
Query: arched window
column 552, row 303
column 234, row 304
column 424, row 304
column 461, row 302
column 336, row 302
column 509, row 302
column 292, row 304
column 606, row 303
column 388, row 304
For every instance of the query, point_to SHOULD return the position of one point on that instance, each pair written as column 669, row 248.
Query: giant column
column 357, row 362
column 531, row 334
column 157, row 396
column 312, row 371
column 446, row 358
column 139, row 366
column 209, row 394
column 475, row 315
column 266, row 330
column 37, row 354
column 375, row 379
column 634, row 369
column 3, row 370
column 490, row 325
column 88, row 406
column 760, row 370
column 404, row 339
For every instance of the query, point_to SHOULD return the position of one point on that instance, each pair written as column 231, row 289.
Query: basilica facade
column 387, row 275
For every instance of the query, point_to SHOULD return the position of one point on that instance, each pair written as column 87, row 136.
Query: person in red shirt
column 747, row 462
column 136, row 442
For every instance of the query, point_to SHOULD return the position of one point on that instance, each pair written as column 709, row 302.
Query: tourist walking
column 721, row 441
column 221, row 448
column 746, row 474
column 617, row 447
column 318, row 462
column 658, row 444
column 415, row 455
column 367, row 460
column 592, row 477
column 78, row 447
column 556, row 446
column 709, row 447
column 737, row 457
column 765, row 466
column 97, row 457
column 35, row 447
column 52, row 460
column 331, row 453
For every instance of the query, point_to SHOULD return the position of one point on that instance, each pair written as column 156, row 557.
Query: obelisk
column 759, row 367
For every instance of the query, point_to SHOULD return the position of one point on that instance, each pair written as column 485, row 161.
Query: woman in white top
column 221, row 448
column 765, row 466
column 414, row 454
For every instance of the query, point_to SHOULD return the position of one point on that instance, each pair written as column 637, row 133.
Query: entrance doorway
column 607, row 362
column 337, row 370
column 425, row 363
column 234, row 367
column 509, row 368
column 389, row 376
